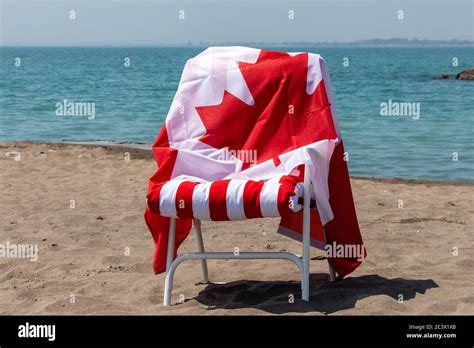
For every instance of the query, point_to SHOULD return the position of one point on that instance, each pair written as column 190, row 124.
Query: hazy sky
column 144, row 22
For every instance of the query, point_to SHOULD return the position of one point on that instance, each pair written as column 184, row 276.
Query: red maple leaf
column 283, row 117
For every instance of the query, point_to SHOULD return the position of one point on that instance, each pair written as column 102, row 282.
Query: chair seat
column 224, row 200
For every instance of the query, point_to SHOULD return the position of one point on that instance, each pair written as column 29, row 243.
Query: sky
column 158, row 22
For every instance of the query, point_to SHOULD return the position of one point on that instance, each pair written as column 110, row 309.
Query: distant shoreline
column 392, row 42
column 255, row 45
column 143, row 151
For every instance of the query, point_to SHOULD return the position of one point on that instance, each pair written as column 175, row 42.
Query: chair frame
column 302, row 262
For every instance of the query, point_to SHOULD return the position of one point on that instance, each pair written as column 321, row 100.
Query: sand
column 95, row 253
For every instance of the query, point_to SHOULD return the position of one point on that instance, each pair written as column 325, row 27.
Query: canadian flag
column 246, row 113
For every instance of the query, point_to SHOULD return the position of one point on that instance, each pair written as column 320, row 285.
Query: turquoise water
column 131, row 102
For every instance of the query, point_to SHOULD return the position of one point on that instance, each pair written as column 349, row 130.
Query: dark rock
column 269, row 247
column 443, row 77
column 466, row 75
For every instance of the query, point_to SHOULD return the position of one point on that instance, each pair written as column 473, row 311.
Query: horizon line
column 360, row 43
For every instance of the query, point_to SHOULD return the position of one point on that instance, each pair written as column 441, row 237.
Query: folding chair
column 301, row 262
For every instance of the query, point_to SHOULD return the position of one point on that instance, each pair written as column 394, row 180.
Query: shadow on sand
column 326, row 297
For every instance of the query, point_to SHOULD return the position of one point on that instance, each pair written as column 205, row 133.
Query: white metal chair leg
column 306, row 235
column 169, row 261
column 200, row 242
column 332, row 274
column 303, row 264
column 225, row 256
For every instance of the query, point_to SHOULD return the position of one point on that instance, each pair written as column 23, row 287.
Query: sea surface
column 132, row 102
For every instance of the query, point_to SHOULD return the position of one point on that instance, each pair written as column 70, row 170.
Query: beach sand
column 84, row 266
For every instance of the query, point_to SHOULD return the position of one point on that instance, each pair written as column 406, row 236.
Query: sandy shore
column 83, row 207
